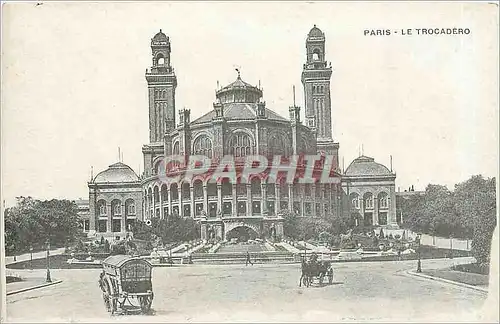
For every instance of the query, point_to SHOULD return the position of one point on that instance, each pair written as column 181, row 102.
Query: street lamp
column 31, row 257
column 48, row 262
column 451, row 247
column 419, row 263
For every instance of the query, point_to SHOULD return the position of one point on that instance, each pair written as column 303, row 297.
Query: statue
column 346, row 237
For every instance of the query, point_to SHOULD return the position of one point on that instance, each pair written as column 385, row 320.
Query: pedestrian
column 247, row 261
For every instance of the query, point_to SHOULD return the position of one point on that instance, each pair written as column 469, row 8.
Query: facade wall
column 110, row 220
column 370, row 204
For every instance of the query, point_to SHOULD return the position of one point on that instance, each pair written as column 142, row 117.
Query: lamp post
column 31, row 257
column 419, row 263
column 451, row 247
column 48, row 262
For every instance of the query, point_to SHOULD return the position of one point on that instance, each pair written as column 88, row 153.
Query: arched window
column 116, row 207
column 316, row 55
column 177, row 149
column 255, row 186
column 130, row 207
column 102, row 207
column 276, row 146
column 160, row 60
column 368, row 200
column 203, row 146
column 383, row 200
column 354, row 201
column 314, row 89
column 156, row 193
column 198, row 189
column 174, row 192
column 241, row 145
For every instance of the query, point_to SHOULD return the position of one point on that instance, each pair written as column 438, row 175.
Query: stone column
column 362, row 209
column 234, row 202
column 110, row 217
column 161, row 204
column 263, row 198
column 169, row 203
column 219, row 199
column 302, row 199
column 391, row 215
column 375, row 211
column 181, row 207
column 290, row 198
column 205, row 199
column 313, row 193
column 249, row 199
column 191, row 193
column 123, row 226
column 154, row 204
column 277, row 191
column 93, row 213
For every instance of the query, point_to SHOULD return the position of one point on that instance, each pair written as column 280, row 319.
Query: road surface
column 362, row 291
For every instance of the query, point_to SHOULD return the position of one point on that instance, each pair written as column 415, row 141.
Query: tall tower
column 161, row 85
column 316, row 76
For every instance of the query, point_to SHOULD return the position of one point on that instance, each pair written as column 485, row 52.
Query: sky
column 73, row 85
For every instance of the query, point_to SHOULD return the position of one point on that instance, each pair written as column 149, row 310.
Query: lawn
column 469, row 278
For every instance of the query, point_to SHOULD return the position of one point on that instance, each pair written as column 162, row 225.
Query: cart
column 126, row 284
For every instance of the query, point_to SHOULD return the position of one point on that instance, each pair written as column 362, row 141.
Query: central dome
column 366, row 166
column 239, row 91
column 117, row 173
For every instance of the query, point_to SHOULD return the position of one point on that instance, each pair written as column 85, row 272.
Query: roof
column 119, row 260
column 239, row 83
column 315, row 32
column 239, row 111
column 160, row 37
column 116, row 260
column 117, row 173
column 366, row 166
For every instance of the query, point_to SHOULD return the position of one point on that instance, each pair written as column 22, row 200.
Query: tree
column 475, row 203
column 32, row 222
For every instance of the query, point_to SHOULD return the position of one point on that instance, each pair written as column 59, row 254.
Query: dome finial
column 238, row 70
column 314, row 26
column 160, row 29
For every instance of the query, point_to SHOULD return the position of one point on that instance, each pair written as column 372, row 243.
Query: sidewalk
column 36, row 255
column 446, row 275
column 28, row 284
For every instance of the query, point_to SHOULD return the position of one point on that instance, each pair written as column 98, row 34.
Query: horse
column 312, row 268
column 346, row 237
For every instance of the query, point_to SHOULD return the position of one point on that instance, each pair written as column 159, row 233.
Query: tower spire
column 294, row 95
column 119, row 154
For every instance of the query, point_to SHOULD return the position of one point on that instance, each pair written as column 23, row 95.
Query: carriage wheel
column 145, row 302
column 107, row 302
column 305, row 281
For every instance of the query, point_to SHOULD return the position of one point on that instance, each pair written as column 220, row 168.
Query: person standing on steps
column 247, row 261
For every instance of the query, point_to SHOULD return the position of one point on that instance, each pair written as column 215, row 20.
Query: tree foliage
column 469, row 212
column 171, row 229
column 33, row 222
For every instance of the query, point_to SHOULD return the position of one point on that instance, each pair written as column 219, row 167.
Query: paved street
column 362, row 291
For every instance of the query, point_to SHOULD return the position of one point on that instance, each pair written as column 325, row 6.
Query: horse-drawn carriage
column 126, row 284
column 314, row 269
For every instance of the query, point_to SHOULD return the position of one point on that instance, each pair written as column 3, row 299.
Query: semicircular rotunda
column 239, row 123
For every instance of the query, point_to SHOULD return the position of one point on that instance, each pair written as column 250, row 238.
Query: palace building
column 239, row 124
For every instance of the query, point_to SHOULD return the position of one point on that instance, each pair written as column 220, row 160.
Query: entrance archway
column 242, row 234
